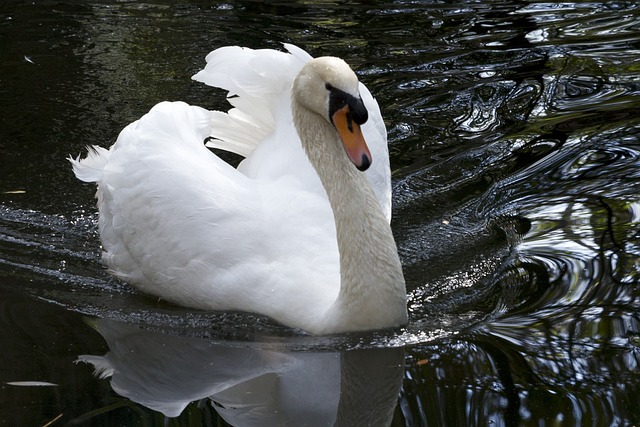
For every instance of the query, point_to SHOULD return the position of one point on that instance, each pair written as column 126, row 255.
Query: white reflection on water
column 248, row 385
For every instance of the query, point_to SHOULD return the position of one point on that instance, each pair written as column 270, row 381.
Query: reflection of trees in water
column 563, row 345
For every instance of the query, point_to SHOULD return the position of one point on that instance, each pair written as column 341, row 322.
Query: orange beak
column 352, row 139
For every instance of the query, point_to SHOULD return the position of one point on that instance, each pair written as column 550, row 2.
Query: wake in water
column 58, row 259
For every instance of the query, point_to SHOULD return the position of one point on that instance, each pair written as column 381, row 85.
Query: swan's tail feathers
column 258, row 81
column 90, row 168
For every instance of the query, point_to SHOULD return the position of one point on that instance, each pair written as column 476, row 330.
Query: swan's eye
column 328, row 86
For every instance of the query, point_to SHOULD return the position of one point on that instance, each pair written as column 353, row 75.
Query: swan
column 299, row 231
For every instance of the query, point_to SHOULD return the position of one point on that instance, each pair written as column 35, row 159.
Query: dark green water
column 514, row 132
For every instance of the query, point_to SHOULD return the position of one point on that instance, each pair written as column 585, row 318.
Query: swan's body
column 296, row 233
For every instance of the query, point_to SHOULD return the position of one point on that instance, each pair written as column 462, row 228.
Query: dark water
column 514, row 132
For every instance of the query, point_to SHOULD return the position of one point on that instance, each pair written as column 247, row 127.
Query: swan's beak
column 352, row 139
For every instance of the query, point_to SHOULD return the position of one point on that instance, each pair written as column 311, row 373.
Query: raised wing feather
column 259, row 83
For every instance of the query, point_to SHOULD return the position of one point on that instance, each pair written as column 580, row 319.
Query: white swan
column 296, row 233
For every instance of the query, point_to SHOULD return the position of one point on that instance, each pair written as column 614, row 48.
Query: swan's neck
column 372, row 290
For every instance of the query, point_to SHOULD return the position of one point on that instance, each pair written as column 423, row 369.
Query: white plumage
column 178, row 222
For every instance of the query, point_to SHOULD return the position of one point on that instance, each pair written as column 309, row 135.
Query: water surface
column 514, row 132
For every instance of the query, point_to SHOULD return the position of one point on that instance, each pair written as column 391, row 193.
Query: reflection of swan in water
column 251, row 386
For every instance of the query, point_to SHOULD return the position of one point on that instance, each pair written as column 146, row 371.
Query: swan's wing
column 256, row 81
column 375, row 133
column 179, row 222
column 260, row 126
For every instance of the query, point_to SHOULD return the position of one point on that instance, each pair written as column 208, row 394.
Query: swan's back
column 178, row 222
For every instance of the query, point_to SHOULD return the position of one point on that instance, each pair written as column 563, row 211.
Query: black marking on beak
column 338, row 99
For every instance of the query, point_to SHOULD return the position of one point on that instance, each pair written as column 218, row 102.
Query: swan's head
column 329, row 87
